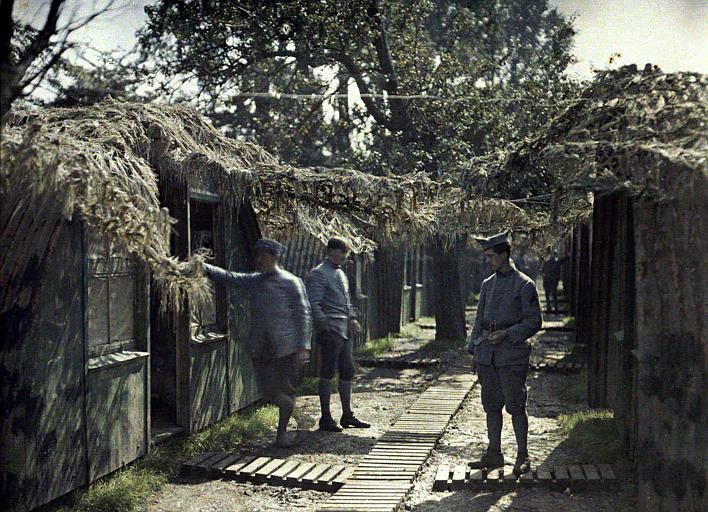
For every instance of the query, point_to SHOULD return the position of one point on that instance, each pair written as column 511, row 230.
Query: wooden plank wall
column 612, row 340
column 582, row 292
column 388, row 279
column 42, row 425
column 672, row 346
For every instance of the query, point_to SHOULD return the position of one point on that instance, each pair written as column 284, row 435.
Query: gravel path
column 381, row 395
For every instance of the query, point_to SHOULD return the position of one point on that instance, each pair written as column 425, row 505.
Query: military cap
column 270, row 245
column 488, row 243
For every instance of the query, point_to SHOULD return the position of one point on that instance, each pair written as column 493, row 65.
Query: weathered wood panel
column 388, row 274
column 116, row 411
column 672, row 410
column 208, row 386
column 42, row 443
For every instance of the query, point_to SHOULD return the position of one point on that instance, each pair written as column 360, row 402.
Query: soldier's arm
column 300, row 306
column 230, row 278
column 531, row 315
column 351, row 310
column 316, row 284
column 478, row 317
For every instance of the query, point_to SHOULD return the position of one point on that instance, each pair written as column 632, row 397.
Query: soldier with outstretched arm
column 335, row 322
column 281, row 328
column 508, row 314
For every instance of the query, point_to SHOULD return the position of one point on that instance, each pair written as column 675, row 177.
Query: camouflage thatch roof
column 645, row 132
column 102, row 163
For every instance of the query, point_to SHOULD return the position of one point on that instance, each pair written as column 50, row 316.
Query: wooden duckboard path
column 559, row 366
column 455, row 478
column 280, row 472
column 397, row 362
column 385, row 475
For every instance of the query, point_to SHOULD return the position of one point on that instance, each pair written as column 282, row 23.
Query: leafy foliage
column 93, row 78
column 439, row 82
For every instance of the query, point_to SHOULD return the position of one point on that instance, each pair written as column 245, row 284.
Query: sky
column 672, row 34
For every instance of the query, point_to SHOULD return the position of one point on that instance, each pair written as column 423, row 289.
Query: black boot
column 329, row 425
column 490, row 460
column 349, row 420
column 326, row 422
column 522, row 464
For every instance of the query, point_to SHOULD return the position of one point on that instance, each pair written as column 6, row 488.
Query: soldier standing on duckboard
column 507, row 316
column 335, row 320
column 281, row 329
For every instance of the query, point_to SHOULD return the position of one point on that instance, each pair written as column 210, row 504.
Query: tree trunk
column 449, row 302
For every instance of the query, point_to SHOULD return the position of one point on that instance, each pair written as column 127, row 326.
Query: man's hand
column 355, row 326
column 302, row 357
column 496, row 337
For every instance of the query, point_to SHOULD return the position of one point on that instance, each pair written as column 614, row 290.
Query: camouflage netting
column 102, row 164
column 645, row 133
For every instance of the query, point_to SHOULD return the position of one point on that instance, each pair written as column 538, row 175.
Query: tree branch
column 355, row 72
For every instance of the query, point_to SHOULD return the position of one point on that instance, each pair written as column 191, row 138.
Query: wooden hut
column 109, row 343
column 638, row 140
column 111, row 334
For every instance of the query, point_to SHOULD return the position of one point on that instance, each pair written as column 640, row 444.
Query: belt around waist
column 494, row 326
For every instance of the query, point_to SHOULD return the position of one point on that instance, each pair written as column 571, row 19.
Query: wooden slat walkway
column 280, row 472
column 459, row 477
column 397, row 362
column 559, row 366
column 383, row 478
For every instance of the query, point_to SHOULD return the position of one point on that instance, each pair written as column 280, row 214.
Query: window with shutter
column 110, row 296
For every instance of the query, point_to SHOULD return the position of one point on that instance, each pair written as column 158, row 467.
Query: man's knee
column 492, row 403
column 492, row 407
column 347, row 371
column 284, row 401
column 516, row 409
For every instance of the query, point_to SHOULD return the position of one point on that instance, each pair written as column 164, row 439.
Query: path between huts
column 382, row 394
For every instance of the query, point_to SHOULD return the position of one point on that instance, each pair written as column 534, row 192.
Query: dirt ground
column 381, row 395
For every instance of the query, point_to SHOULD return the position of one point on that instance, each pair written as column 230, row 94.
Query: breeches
column 503, row 386
column 335, row 353
column 279, row 376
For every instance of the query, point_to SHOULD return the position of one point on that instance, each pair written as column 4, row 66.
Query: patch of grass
column 410, row 330
column 593, row 436
column 375, row 347
column 439, row 346
column 127, row 488
column 577, row 389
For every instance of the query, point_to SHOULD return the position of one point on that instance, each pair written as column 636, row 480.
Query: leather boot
column 490, row 460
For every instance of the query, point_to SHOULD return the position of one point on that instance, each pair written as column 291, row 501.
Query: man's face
column 494, row 260
column 265, row 261
column 337, row 256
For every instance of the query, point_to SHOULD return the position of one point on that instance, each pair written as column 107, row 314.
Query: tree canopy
column 439, row 82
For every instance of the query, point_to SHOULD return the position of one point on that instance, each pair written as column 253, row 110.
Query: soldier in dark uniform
column 281, row 328
column 507, row 316
column 335, row 324
column 551, row 271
